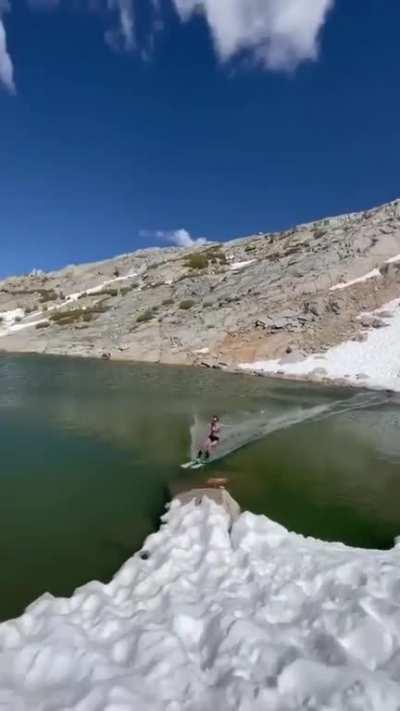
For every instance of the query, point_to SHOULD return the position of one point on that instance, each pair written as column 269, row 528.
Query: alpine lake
column 91, row 453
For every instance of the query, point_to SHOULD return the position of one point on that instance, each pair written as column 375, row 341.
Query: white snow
column 373, row 274
column 344, row 284
column 249, row 619
column 240, row 265
column 9, row 324
column 374, row 362
column 14, row 328
column 396, row 258
column 10, row 316
column 7, row 318
column 94, row 289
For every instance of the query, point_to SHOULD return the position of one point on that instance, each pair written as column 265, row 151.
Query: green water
column 90, row 451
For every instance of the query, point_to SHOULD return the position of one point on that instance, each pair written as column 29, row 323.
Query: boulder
column 312, row 307
column 370, row 321
column 278, row 324
column 390, row 270
column 333, row 307
column 275, row 323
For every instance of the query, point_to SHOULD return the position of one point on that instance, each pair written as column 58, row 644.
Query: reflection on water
column 90, row 450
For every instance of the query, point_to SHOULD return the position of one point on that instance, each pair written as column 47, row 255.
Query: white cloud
column 6, row 66
column 277, row 34
column 280, row 34
column 181, row 237
column 123, row 37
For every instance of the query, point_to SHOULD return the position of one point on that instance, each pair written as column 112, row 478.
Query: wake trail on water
column 244, row 428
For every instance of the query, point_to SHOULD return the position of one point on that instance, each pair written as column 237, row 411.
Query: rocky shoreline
column 340, row 383
column 279, row 297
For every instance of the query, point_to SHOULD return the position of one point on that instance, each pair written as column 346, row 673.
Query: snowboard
column 195, row 464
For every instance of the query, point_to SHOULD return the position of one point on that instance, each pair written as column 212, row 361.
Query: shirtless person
column 212, row 439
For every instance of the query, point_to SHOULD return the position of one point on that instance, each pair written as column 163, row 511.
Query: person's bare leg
column 213, row 445
column 205, row 450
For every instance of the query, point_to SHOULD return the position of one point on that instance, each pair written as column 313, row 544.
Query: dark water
column 90, row 449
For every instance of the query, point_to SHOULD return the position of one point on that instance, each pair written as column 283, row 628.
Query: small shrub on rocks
column 64, row 318
column 197, row 261
column 73, row 314
column 99, row 308
column 186, row 304
column 318, row 233
column 47, row 295
column 145, row 316
column 216, row 255
column 201, row 260
column 126, row 289
column 107, row 292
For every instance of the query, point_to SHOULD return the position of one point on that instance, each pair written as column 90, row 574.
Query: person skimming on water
column 212, row 440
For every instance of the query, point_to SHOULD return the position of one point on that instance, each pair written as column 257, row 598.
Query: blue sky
column 123, row 121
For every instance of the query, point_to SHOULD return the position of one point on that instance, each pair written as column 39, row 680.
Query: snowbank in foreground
column 248, row 620
column 373, row 363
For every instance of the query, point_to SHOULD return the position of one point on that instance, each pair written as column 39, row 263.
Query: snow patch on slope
column 374, row 362
column 373, row 274
column 396, row 258
column 246, row 619
column 236, row 266
column 95, row 289
column 13, row 321
column 8, row 322
column 344, row 284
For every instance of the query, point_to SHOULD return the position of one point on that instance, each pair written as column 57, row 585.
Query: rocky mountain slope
column 279, row 295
